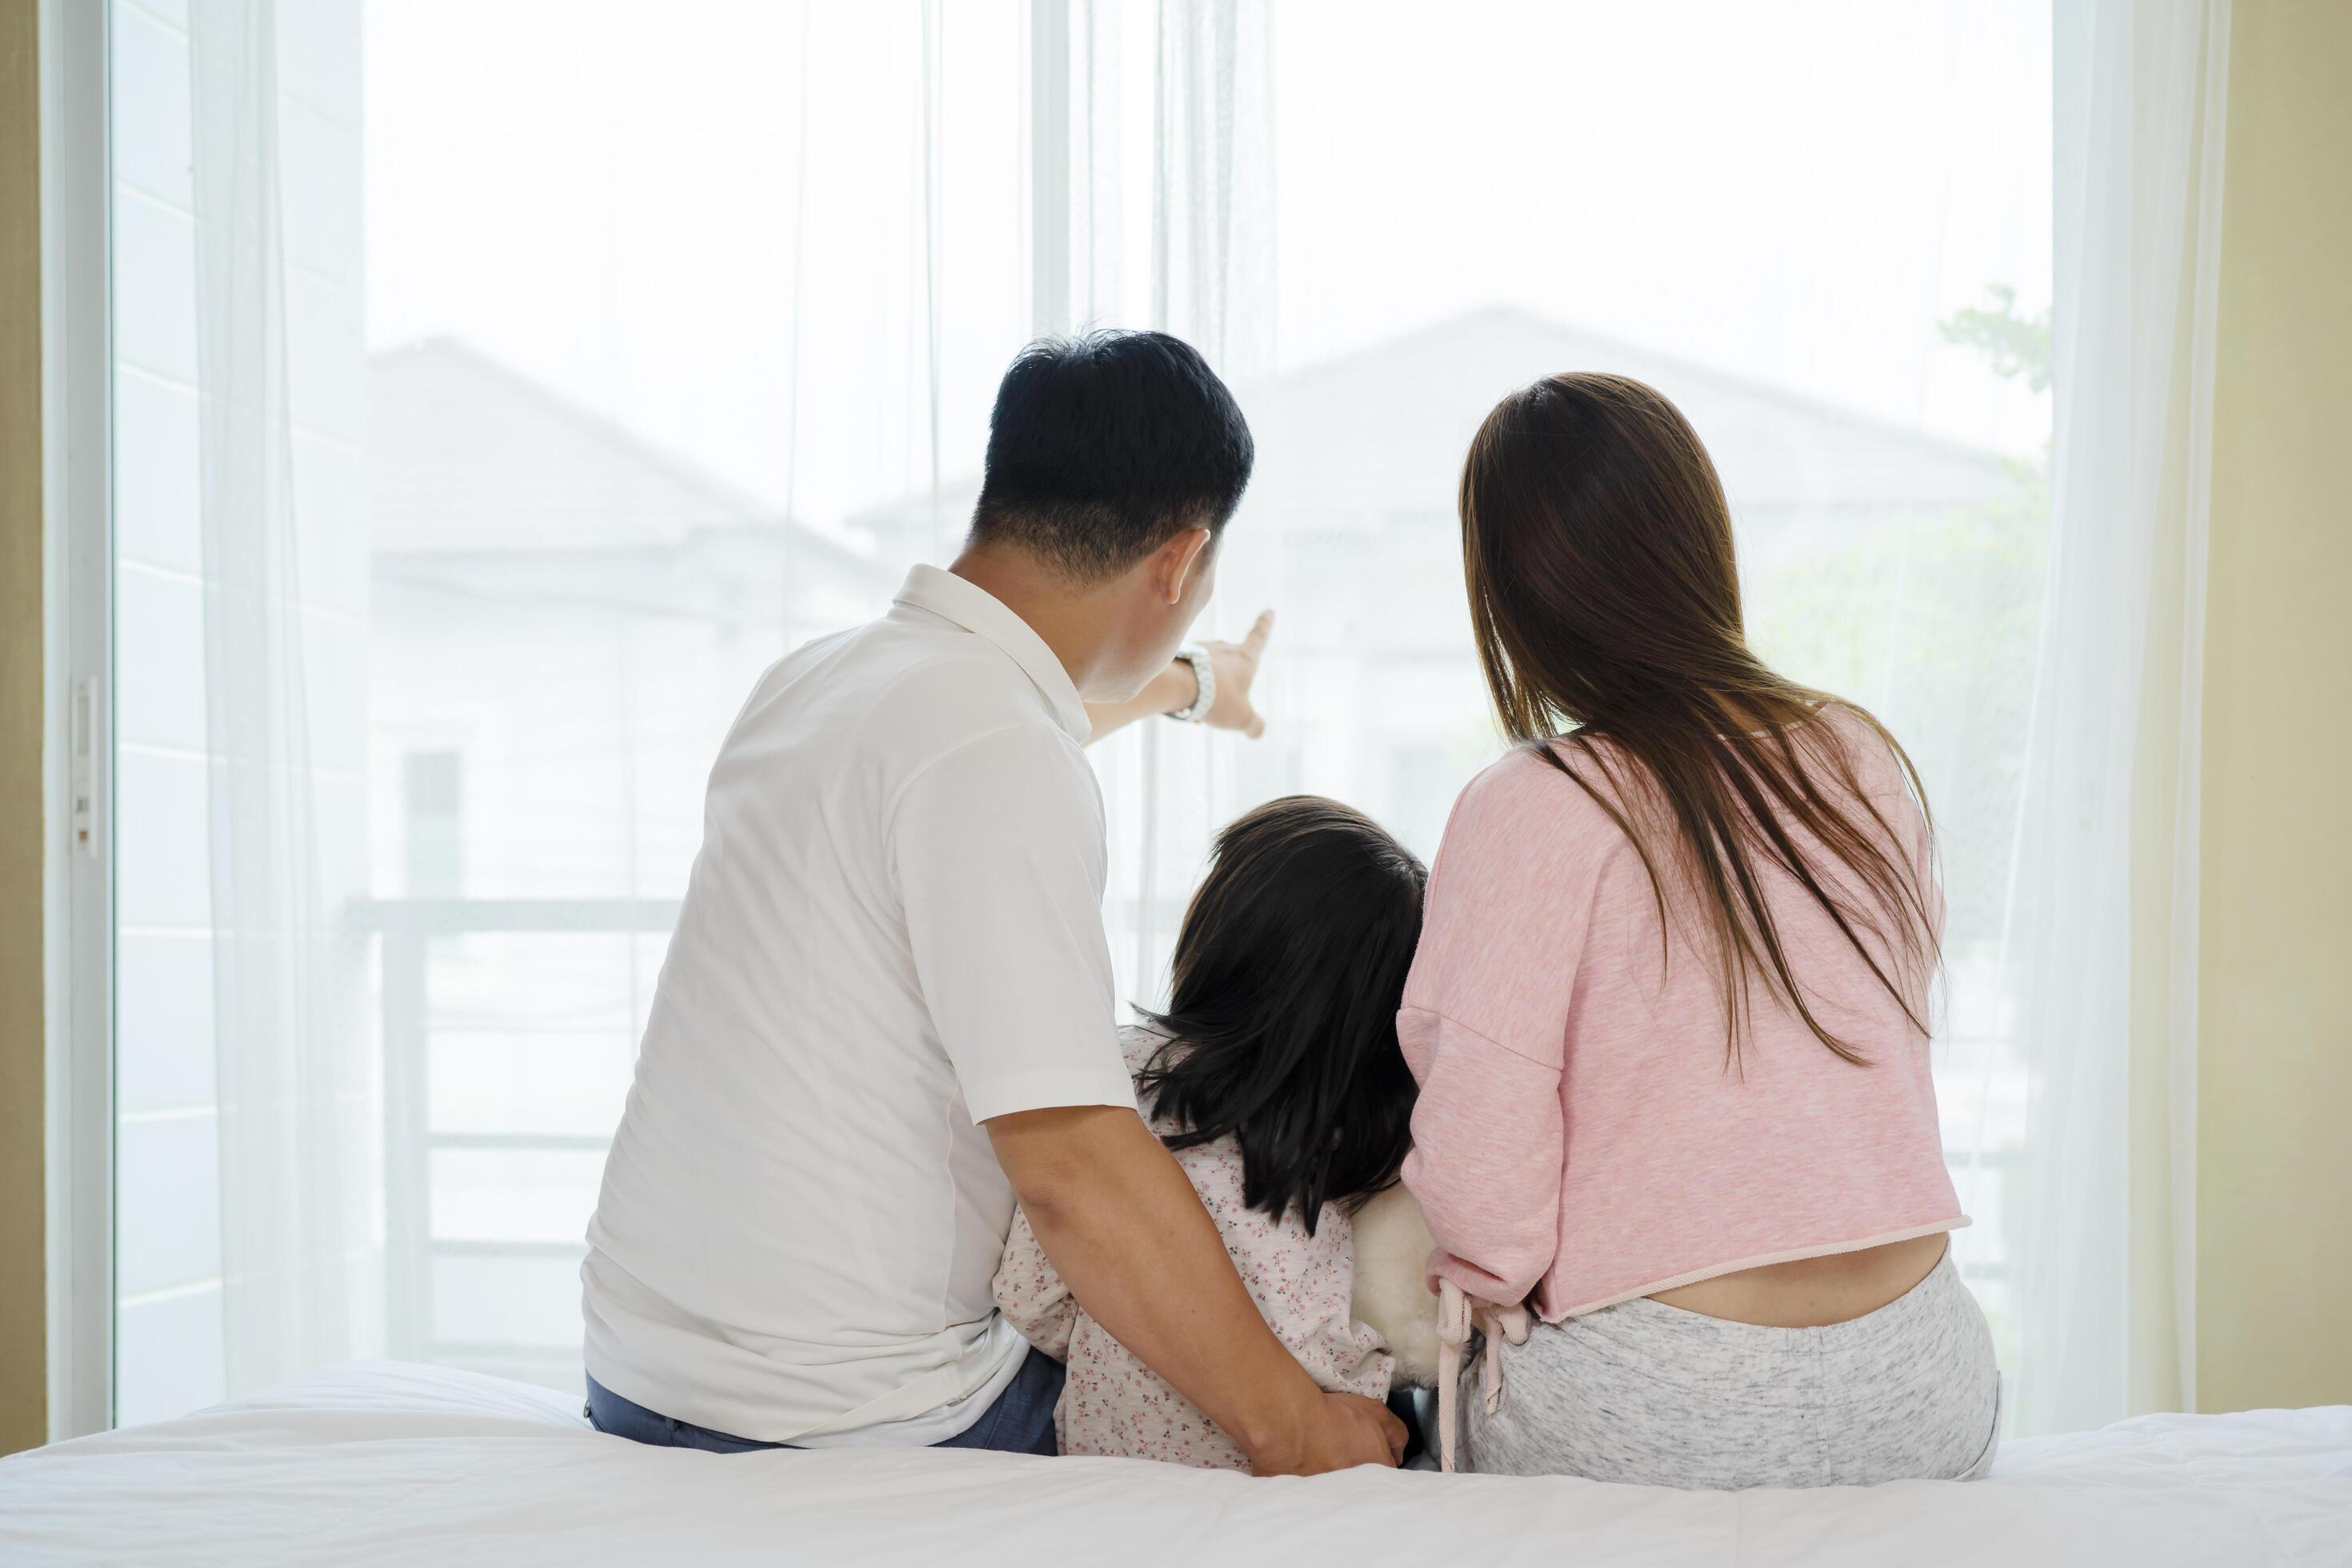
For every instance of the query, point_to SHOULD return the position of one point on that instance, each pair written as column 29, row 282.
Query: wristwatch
column 1204, row 671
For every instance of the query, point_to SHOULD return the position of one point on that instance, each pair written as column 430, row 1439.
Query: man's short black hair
column 1102, row 446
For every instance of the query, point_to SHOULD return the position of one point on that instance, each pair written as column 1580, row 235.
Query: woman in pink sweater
column 1669, row 1012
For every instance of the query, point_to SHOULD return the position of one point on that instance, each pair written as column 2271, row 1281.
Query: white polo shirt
column 893, row 933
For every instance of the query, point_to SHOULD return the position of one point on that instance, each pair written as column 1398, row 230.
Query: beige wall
column 24, row 1378
column 2274, row 1125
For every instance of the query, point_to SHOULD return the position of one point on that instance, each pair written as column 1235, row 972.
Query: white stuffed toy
column 1392, row 1295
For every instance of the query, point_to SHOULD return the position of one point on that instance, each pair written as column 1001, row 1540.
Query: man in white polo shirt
column 888, row 1009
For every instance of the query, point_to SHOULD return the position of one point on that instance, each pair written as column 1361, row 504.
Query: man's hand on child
column 1342, row 1431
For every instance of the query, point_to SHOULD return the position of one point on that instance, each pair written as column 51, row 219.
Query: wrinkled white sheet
column 388, row 1463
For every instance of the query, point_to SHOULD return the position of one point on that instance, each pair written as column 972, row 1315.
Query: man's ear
column 1174, row 563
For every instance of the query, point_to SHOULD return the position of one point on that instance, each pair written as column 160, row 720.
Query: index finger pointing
column 1260, row 629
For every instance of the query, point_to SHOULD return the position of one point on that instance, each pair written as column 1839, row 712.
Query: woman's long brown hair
column 1605, row 597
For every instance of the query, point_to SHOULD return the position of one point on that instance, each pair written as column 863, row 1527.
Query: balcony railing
column 408, row 929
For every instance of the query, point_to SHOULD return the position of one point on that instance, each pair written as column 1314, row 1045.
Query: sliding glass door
column 497, row 389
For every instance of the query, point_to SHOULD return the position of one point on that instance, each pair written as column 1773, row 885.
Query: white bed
column 387, row 1463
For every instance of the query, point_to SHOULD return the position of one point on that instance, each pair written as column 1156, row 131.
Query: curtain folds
column 292, row 1096
column 2106, row 971
column 1152, row 144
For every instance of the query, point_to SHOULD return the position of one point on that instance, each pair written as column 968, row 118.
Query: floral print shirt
column 1111, row 1403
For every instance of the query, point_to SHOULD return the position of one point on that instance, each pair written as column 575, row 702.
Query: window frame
column 77, row 439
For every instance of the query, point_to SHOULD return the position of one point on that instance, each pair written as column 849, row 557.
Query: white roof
column 1384, row 428
column 467, row 457
column 1376, row 436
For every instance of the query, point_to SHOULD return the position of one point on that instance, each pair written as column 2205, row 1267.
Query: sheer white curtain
column 675, row 353
column 292, row 1093
column 1152, row 197
column 2104, row 938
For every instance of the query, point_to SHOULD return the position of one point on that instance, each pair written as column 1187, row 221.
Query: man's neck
column 1073, row 622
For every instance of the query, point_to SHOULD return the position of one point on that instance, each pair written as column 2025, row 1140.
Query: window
column 434, row 823
column 623, row 353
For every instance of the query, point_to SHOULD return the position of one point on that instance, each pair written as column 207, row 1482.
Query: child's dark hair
column 1290, row 969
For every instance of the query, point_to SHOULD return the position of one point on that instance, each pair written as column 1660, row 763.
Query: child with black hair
column 1275, row 1079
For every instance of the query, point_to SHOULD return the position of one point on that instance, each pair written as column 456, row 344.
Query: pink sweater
column 1578, row 1135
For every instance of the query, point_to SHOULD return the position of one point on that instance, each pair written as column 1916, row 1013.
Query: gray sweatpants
column 1660, row 1396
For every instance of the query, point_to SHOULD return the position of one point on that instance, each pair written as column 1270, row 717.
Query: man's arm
column 1174, row 688
column 997, row 851
column 1114, row 1212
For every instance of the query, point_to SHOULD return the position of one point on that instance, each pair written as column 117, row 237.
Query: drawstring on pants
column 1458, row 1314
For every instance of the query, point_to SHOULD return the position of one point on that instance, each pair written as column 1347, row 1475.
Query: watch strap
column 1204, row 672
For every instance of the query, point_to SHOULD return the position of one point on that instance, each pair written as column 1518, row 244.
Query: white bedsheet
column 387, row 1463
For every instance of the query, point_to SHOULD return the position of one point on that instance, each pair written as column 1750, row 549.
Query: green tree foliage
column 1932, row 622
column 2018, row 346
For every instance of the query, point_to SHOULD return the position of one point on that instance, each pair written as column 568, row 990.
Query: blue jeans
column 1019, row 1422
